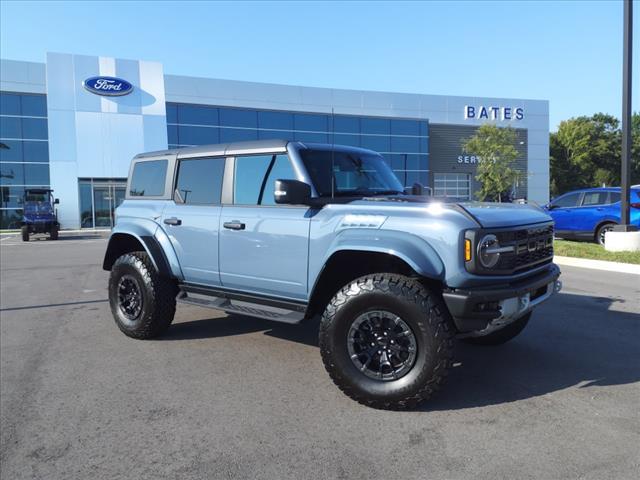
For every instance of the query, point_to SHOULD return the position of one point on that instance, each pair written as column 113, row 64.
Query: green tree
column 496, row 148
column 585, row 152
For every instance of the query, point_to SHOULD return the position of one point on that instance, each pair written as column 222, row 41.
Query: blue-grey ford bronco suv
column 288, row 231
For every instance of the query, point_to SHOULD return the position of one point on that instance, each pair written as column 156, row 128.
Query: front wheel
column 387, row 341
column 142, row 302
column 25, row 233
column 53, row 235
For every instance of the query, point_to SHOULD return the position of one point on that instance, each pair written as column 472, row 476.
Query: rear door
column 191, row 219
column 263, row 246
column 592, row 210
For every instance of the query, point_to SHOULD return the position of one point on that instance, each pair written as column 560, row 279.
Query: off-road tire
column 599, row 238
column 158, row 296
column 25, row 233
column 53, row 235
column 420, row 308
column 503, row 335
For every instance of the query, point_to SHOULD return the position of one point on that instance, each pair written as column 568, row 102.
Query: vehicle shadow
column 572, row 340
column 306, row 333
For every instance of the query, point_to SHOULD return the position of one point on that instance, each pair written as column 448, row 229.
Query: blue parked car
column 588, row 214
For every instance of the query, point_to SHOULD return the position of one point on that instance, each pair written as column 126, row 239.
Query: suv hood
column 492, row 215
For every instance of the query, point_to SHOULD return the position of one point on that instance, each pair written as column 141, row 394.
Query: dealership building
column 74, row 122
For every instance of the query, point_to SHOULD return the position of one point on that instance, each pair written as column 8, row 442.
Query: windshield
column 350, row 173
column 37, row 202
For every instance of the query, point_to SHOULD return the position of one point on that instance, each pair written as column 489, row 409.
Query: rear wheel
column 503, row 335
column 600, row 234
column 386, row 341
column 142, row 302
column 25, row 233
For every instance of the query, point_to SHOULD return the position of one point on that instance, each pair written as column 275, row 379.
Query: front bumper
column 483, row 310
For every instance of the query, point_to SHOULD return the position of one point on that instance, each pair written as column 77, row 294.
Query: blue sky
column 569, row 53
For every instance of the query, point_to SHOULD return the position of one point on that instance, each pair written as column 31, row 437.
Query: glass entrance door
column 98, row 201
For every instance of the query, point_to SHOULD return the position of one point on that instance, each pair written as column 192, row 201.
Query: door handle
column 235, row 225
column 173, row 221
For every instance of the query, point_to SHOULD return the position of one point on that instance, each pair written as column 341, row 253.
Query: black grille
column 533, row 246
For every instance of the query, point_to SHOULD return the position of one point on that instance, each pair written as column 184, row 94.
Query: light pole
column 626, row 120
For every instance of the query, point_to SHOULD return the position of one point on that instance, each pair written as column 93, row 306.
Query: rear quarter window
column 148, row 178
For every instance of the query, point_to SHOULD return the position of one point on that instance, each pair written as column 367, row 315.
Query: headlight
column 489, row 251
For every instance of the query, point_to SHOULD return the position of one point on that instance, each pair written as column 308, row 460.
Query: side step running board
column 242, row 304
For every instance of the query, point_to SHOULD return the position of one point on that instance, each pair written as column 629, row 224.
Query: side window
column 255, row 176
column 570, row 200
column 594, row 198
column 200, row 181
column 614, row 197
column 148, row 178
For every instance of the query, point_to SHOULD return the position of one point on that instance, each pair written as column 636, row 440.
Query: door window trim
column 228, row 187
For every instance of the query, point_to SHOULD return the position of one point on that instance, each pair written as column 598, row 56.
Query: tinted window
column 237, row 135
column 148, row 178
column 570, row 200
column 12, row 174
column 346, row 124
column 10, row 218
column 614, row 197
column 594, row 198
column 405, row 127
column 312, row 123
column 405, row 144
column 375, row 125
column 35, row 128
column 281, row 170
column 10, row 127
column 197, row 135
column 35, row 151
column 36, row 174
column 231, row 117
column 277, row 120
column 9, row 104
column 13, row 152
column 200, row 180
column 34, row 105
column 249, row 174
column 311, row 137
column 375, row 143
column 172, row 113
column 195, row 115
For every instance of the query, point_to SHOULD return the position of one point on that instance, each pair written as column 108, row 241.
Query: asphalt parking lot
column 234, row 397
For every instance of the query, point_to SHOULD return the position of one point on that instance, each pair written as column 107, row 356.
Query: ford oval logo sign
column 110, row 86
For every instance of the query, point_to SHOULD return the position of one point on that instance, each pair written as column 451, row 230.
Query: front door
column 263, row 246
column 191, row 220
column 563, row 212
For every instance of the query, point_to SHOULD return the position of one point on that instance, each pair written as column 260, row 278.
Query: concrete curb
column 598, row 265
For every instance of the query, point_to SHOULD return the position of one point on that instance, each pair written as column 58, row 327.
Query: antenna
column 333, row 152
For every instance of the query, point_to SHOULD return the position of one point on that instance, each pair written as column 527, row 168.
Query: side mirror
column 415, row 189
column 292, row 192
column 550, row 206
column 56, row 201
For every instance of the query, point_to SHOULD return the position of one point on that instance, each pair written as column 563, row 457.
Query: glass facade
column 99, row 197
column 24, row 151
column 404, row 143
